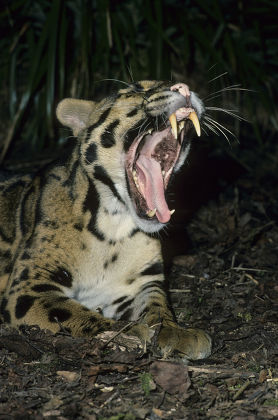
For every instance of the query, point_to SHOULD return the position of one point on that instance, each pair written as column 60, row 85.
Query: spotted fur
column 76, row 244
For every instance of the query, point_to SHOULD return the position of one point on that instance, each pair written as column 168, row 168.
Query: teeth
column 181, row 126
column 193, row 117
column 151, row 213
column 150, row 131
column 135, row 178
column 172, row 211
column 163, row 173
column 173, row 122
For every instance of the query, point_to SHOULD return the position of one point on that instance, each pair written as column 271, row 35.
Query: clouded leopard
column 78, row 248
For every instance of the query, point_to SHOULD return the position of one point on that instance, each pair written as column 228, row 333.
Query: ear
column 75, row 113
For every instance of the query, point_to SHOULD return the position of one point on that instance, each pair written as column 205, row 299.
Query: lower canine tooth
column 151, row 213
column 181, row 126
column 172, row 211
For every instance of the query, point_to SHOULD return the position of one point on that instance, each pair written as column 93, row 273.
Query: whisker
column 230, row 112
column 221, row 131
column 113, row 80
column 211, row 128
column 226, row 89
column 211, row 120
column 218, row 77
column 212, row 67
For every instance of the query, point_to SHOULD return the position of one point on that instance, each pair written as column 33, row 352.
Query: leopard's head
column 133, row 142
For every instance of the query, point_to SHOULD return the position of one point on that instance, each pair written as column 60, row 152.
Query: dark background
column 53, row 49
column 227, row 51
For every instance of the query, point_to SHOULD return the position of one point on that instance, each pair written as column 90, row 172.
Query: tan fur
column 72, row 254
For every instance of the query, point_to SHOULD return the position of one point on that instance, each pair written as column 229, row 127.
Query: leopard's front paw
column 191, row 344
column 142, row 331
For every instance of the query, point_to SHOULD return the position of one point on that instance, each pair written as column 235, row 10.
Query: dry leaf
column 69, row 376
column 172, row 377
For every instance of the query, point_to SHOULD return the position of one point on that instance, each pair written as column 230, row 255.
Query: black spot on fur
column 5, row 254
column 5, row 313
column 25, row 256
column 91, row 153
column 45, row 288
column 71, row 178
column 54, row 176
column 137, row 87
column 5, row 238
column 108, row 136
column 93, row 319
column 101, row 175
column 124, row 305
column 154, row 269
column 132, row 133
column 132, row 113
column 51, row 223
column 62, row 277
column 101, row 120
column 133, row 233
column 8, row 268
column 23, row 304
column 24, row 218
column 87, row 330
column 119, row 300
column 130, row 281
column 126, row 316
column 154, row 285
column 91, row 204
column 61, row 299
column 25, row 274
column 58, row 314
column 78, row 226
column 114, row 258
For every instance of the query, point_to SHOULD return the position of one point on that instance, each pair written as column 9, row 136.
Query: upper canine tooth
column 151, row 213
column 173, row 122
column 172, row 211
column 194, row 118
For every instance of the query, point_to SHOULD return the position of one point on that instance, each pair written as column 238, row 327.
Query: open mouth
column 150, row 161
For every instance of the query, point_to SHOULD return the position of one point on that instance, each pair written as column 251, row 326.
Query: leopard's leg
column 34, row 298
column 151, row 307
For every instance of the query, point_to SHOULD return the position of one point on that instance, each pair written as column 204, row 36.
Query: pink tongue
column 152, row 188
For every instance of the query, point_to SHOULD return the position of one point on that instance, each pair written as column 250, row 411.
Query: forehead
column 143, row 86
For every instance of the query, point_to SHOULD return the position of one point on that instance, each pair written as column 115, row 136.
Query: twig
column 241, row 390
column 252, row 278
column 125, row 327
column 259, row 270
column 179, row 290
column 220, row 371
column 110, row 399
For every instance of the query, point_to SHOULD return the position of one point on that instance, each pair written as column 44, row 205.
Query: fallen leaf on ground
column 172, row 377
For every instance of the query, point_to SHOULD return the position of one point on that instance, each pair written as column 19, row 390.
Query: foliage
column 55, row 48
column 146, row 379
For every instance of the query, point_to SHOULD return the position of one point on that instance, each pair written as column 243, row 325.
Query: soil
column 224, row 280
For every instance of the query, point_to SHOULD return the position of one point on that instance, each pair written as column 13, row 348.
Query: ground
column 224, row 281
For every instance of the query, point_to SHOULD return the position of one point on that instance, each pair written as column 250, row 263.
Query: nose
column 182, row 88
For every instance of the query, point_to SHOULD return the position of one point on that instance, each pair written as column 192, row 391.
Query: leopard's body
column 76, row 244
